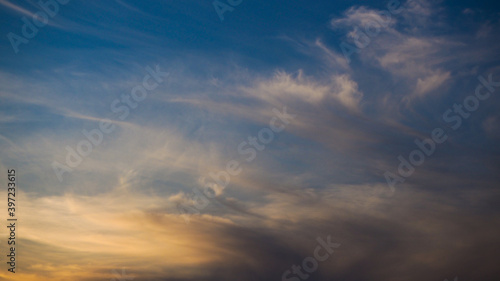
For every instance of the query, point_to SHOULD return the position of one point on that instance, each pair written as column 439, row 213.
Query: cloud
column 16, row 8
column 285, row 89
column 415, row 55
column 120, row 226
column 431, row 83
column 322, row 175
column 361, row 16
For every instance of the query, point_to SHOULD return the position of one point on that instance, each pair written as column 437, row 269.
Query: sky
column 251, row 140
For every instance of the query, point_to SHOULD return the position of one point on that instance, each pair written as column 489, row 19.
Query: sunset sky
column 228, row 140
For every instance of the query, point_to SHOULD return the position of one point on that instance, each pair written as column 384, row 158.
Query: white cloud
column 285, row 89
column 361, row 16
column 430, row 83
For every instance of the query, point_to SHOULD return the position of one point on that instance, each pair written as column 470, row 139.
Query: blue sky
column 324, row 174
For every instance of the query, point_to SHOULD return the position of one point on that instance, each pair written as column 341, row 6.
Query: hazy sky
column 118, row 115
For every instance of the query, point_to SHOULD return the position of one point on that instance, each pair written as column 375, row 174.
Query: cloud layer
column 323, row 175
